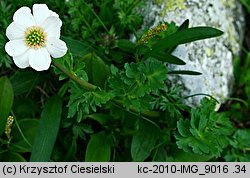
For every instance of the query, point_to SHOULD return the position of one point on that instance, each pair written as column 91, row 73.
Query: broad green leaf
column 102, row 118
column 6, row 101
column 96, row 69
column 82, row 48
column 78, row 48
column 166, row 57
column 144, row 141
column 126, row 45
column 98, row 148
column 47, row 130
column 184, row 36
column 71, row 151
column 184, row 72
column 22, row 105
column 12, row 157
column 28, row 128
column 25, row 81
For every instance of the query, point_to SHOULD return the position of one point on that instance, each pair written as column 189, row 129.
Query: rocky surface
column 212, row 57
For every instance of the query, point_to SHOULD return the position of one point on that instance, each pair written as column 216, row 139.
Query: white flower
column 34, row 38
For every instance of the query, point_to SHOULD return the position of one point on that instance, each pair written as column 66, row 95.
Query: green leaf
column 184, row 36
column 155, row 73
column 82, row 48
column 78, row 48
column 72, row 150
column 184, row 72
column 246, row 3
column 144, row 141
column 96, row 69
column 26, row 81
column 206, row 133
column 98, row 148
column 28, row 128
column 182, row 156
column 6, row 101
column 126, row 45
column 83, row 102
column 240, row 144
column 184, row 25
column 145, row 76
column 12, row 157
column 102, row 118
column 47, row 131
column 166, row 57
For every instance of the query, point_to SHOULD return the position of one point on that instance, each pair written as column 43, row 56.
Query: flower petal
column 39, row 59
column 24, row 18
column 41, row 12
column 56, row 47
column 15, row 47
column 13, row 32
column 22, row 61
column 52, row 26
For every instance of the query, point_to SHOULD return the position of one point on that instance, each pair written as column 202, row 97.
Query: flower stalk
column 88, row 86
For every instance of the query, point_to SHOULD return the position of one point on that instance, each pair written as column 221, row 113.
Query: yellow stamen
column 35, row 37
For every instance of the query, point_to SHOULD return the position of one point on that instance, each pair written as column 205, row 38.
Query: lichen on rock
column 212, row 57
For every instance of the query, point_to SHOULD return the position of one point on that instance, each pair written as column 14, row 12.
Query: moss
column 209, row 52
column 170, row 5
column 229, row 3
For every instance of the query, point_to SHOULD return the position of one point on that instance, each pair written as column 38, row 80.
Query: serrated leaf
column 47, row 130
column 183, row 126
column 6, row 101
column 98, row 148
column 144, row 141
column 83, row 102
column 182, row 156
column 155, row 72
column 204, row 133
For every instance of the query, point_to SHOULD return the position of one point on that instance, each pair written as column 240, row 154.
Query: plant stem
column 86, row 85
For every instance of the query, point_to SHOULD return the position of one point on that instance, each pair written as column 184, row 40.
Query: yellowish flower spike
column 8, row 126
column 151, row 33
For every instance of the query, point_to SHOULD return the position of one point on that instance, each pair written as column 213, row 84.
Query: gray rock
column 212, row 57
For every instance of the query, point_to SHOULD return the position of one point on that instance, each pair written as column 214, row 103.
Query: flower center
column 35, row 37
